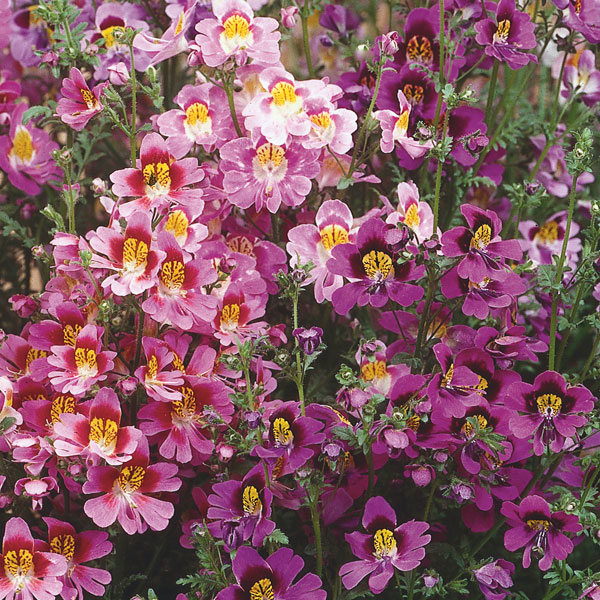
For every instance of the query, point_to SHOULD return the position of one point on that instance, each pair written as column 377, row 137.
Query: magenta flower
column 534, row 526
column 184, row 424
column 126, row 493
column 80, row 366
column 271, row 578
column 98, row 434
column 78, row 548
column 79, row 104
column 480, row 244
column 28, row 573
column 237, row 33
column 159, row 181
column 372, row 268
column 263, row 174
column 494, row 579
column 161, row 383
column 26, row 155
column 178, row 299
column 385, row 547
column 45, row 334
column 506, row 36
column 333, row 223
column 130, row 255
column 549, row 407
column 240, row 510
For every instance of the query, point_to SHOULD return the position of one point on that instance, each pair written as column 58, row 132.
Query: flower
column 237, row 33
column 549, row 407
column 385, row 547
column 78, row 104
column 507, row 35
column 534, row 526
column 27, row 572
column 78, row 548
column 412, row 212
column 494, row 579
column 308, row 339
column 125, row 493
column 271, row 578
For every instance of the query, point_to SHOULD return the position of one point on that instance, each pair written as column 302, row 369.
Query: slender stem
column 559, row 274
column 228, row 87
column 438, row 176
column 590, row 359
column 304, row 14
column 71, row 198
column 138, row 344
column 491, row 92
column 132, row 127
column 299, row 367
column 425, row 312
column 67, row 27
column 434, row 485
column 316, row 523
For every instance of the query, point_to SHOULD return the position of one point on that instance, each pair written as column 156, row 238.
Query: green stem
column 71, row 198
column 425, row 312
column 438, row 176
column 67, row 27
column 559, row 274
column 228, row 87
column 304, row 18
column 590, row 359
column 430, row 499
column 316, row 523
column 132, row 127
column 491, row 92
column 299, row 368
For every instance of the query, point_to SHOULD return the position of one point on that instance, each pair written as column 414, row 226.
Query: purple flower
column 507, row 35
column 374, row 273
column 494, row 579
column 535, row 527
column 384, row 547
column 337, row 18
column 549, row 407
column 309, row 339
column 271, row 578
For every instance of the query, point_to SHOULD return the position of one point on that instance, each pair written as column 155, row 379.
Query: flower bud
column 389, row 43
column 288, row 16
column 118, row 74
column 308, row 339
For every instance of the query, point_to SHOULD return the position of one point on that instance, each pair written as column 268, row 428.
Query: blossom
column 549, row 407
column 237, row 33
column 412, row 212
column 78, row 104
column 506, row 36
column 374, row 273
column 78, row 548
column 386, row 546
column 28, row 572
column 158, row 181
column 160, row 382
column 534, row 526
column 308, row 339
column 263, row 174
column 582, row 78
column 125, row 493
column 271, row 578
column 494, row 579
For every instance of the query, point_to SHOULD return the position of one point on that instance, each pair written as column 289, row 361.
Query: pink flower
column 160, row 383
column 178, row 299
column 237, row 33
column 159, row 181
column 394, row 128
column 413, row 213
column 28, row 573
column 99, row 433
column 125, row 493
column 265, row 175
column 78, row 548
column 36, row 489
column 81, row 366
column 330, row 126
column 184, row 223
column 78, row 104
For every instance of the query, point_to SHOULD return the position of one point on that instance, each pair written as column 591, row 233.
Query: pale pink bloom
column 413, row 213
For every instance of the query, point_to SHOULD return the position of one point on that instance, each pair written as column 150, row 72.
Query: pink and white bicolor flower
column 412, row 212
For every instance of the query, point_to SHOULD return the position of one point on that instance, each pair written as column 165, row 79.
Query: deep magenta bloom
column 241, row 509
column 494, row 579
column 372, row 268
column 534, row 526
column 28, row 573
column 271, row 578
column 125, row 493
column 506, row 36
column 78, row 548
column 480, row 244
column 549, row 408
column 385, row 547
column 79, row 104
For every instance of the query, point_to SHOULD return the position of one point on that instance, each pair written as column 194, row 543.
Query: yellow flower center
column 419, row 49
column 180, row 23
column 378, row 265
column 414, row 422
column 60, row 405
column 270, row 155
column 89, row 98
column 373, row 370
column 196, row 112
column 63, row 544
column 241, row 244
column 413, row 93
column 447, row 378
column 467, row 429
column 178, row 363
column 135, row 254
column 70, row 333
column 401, row 125
column 236, row 25
column 152, row 371
column 172, row 275
column 186, row 407
column 332, row 235
column 18, row 563
column 322, row 119
column 283, row 92
column 85, row 359
column 282, row 432
column 22, row 146
column 482, row 386
column 157, row 174
column 104, row 432
column 33, row 354
column 549, row 405
column 384, row 543
column 250, row 501
column 502, row 31
column 411, row 218
column 482, row 237
column 230, row 316
column 177, row 224
column 262, row 590
column 538, row 524
column 547, row 233
column 109, row 35
column 131, row 478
